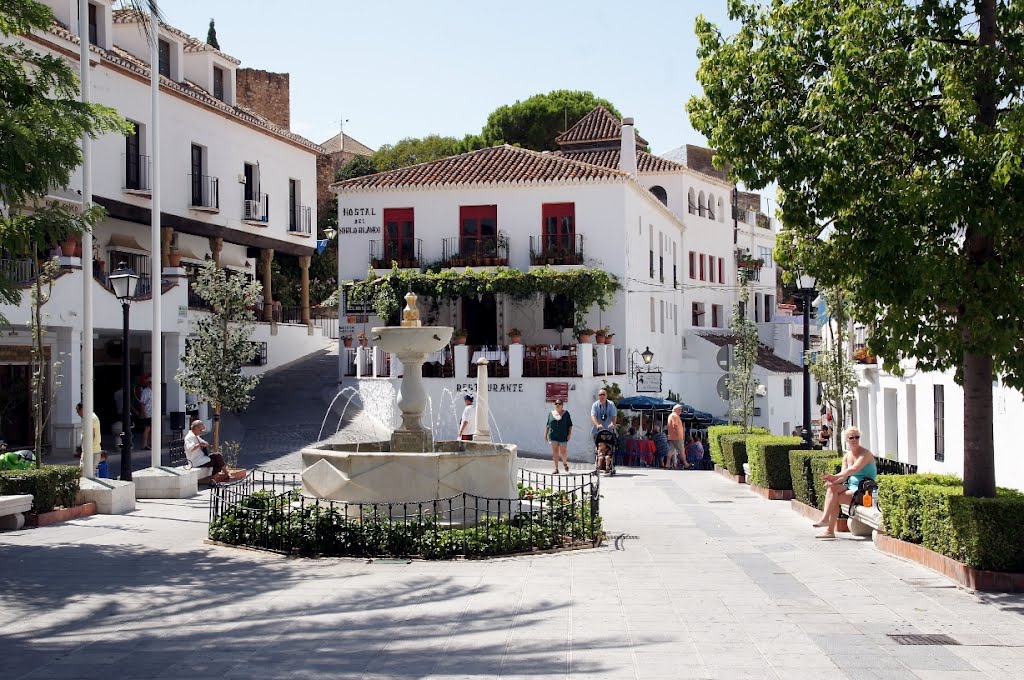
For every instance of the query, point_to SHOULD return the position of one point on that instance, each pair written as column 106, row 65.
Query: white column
column 585, row 359
column 156, row 264
column 66, row 423
column 360, row 353
column 515, row 361
column 86, row 374
column 461, row 361
column 174, row 347
column 602, row 364
column 483, row 428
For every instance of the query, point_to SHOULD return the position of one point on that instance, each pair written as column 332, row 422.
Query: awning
column 187, row 254
column 126, row 242
column 233, row 261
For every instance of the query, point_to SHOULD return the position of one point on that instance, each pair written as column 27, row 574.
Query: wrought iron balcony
column 549, row 249
column 300, row 220
column 407, row 252
column 488, row 251
column 205, row 192
column 256, row 209
column 136, row 172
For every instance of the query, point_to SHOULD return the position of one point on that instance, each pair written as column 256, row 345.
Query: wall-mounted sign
column 491, row 387
column 648, row 381
column 556, row 391
column 359, row 220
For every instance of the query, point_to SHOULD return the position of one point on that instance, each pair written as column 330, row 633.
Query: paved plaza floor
column 699, row 578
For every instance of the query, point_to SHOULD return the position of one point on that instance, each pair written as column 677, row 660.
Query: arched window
column 702, row 205
column 691, row 199
column 721, row 211
column 711, row 206
column 660, row 194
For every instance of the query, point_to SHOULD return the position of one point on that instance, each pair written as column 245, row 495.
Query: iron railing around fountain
column 267, row 511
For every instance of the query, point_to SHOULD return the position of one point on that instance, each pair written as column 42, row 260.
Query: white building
column 663, row 229
column 235, row 187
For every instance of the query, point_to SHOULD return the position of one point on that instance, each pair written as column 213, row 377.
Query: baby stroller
column 605, row 444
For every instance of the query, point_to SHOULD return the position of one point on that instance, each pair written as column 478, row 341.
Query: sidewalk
column 699, row 579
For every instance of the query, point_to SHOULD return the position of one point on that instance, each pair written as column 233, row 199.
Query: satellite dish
column 723, row 390
column 724, row 358
column 761, row 390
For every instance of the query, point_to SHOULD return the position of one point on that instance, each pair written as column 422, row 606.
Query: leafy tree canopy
column 535, row 122
column 897, row 127
column 359, row 166
column 414, row 150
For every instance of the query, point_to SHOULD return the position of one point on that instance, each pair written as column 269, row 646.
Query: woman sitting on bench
column 196, row 450
column 858, row 464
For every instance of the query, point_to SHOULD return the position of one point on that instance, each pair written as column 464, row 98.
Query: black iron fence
column 556, row 249
column 887, row 466
column 267, row 511
column 406, row 252
column 476, row 251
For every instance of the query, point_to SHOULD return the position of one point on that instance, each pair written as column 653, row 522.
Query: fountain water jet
column 411, row 466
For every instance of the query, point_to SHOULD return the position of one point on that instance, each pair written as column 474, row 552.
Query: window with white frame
column 766, row 255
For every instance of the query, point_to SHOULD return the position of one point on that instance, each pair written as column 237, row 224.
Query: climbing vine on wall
column 584, row 287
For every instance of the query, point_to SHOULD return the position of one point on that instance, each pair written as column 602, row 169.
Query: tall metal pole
column 156, row 337
column 126, row 400
column 88, row 465
column 807, row 369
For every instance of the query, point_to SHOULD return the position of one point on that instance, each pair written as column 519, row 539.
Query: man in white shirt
column 197, row 452
column 146, row 411
column 468, row 426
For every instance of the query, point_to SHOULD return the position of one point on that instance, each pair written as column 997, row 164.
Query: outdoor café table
column 490, row 355
column 437, row 357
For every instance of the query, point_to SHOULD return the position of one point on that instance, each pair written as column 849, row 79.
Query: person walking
column 467, row 428
column 146, row 411
column 677, row 439
column 558, row 431
column 96, row 448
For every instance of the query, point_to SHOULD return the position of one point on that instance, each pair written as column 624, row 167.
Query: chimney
column 627, row 152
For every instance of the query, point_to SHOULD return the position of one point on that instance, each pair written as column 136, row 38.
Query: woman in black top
column 558, row 431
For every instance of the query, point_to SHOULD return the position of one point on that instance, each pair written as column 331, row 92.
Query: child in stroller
column 605, row 442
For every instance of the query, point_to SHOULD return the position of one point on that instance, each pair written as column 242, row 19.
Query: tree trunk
column 216, row 427
column 37, row 361
column 979, row 458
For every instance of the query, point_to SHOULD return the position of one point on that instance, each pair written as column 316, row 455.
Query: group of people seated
column 656, row 449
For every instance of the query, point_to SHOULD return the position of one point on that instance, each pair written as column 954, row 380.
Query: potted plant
column 600, row 336
column 608, row 335
column 71, row 246
column 173, row 258
column 460, row 336
column 515, row 336
column 346, row 340
column 363, row 340
column 584, row 334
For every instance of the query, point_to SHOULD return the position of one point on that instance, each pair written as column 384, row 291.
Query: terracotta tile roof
column 130, row 16
column 129, row 62
column 609, row 158
column 766, row 358
column 600, row 125
column 346, row 143
column 495, row 165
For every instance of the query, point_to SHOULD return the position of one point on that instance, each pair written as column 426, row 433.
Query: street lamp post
column 124, row 282
column 647, row 356
column 807, row 283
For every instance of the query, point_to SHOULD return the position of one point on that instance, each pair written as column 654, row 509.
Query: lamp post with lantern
column 807, row 282
column 124, row 281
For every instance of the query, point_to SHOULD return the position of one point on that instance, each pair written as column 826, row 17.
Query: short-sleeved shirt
column 605, row 415
column 95, row 434
column 558, row 428
column 195, row 455
column 469, row 415
column 676, row 431
column 146, row 400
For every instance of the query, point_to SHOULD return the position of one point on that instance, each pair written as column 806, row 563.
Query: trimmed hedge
column 822, row 466
column 51, row 486
column 715, row 434
column 801, row 475
column 769, row 460
column 734, row 452
column 900, row 503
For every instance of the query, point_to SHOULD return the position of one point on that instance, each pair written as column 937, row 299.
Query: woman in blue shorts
column 858, row 464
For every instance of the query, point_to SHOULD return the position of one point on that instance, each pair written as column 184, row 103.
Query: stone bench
column 12, row 511
column 865, row 520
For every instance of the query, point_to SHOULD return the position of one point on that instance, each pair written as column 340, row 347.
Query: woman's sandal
column 555, row 472
column 566, row 465
column 820, row 525
column 826, row 537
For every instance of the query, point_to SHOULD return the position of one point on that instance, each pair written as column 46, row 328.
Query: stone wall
column 699, row 158
column 265, row 93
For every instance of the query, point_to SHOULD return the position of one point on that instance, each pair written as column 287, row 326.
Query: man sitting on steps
column 196, row 450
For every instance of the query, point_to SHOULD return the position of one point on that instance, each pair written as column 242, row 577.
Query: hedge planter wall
column 51, row 486
column 803, row 477
column 734, row 452
column 983, row 533
column 715, row 434
column 823, row 466
column 769, row 461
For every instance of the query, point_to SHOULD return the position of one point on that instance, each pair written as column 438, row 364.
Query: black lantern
column 125, row 281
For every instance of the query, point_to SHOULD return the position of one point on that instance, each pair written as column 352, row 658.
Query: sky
column 398, row 68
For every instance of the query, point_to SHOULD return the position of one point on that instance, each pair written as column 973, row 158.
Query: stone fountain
column 411, row 466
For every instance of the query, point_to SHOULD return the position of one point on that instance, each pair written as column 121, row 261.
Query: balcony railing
column 255, row 209
column 300, row 220
column 136, row 172
column 567, row 249
column 489, row 251
column 18, row 271
column 205, row 192
column 140, row 264
column 407, row 252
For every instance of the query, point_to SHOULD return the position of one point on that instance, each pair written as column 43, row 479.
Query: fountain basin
column 407, row 340
column 372, row 473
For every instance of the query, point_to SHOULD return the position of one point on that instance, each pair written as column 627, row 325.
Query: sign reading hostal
column 355, row 220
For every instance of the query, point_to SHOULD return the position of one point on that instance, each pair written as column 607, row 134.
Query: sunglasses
column 856, row 436
column 558, row 403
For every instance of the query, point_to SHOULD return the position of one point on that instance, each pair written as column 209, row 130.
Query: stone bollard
column 483, row 429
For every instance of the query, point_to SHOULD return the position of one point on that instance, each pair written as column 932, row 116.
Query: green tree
column 535, row 122
column 211, row 35
column 213, row 360
column 41, row 125
column 740, row 380
column 897, row 128
column 414, row 150
column 831, row 368
column 358, row 166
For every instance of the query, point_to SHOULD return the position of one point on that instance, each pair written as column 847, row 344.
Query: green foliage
column 989, row 531
column 734, row 451
column 584, row 287
column 358, row 166
column 415, row 150
column 831, row 367
column 802, row 476
column 769, row 460
column 900, row 502
column 213, row 361
column 740, row 380
column 52, row 486
column 290, row 523
column 715, row 434
column 896, row 128
column 534, row 123
column 823, row 466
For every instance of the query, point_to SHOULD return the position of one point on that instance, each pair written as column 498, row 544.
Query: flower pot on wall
column 584, row 338
column 460, row 339
column 173, row 259
column 347, row 342
column 516, row 339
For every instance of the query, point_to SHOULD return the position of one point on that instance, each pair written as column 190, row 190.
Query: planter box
column 812, row 513
column 57, row 516
column 958, row 572
column 739, row 479
column 772, row 494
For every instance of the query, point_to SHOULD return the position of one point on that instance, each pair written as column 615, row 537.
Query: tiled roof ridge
column 410, row 172
column 128, row 61
column 646, row 163
column 192, row 44
column 599, row 125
